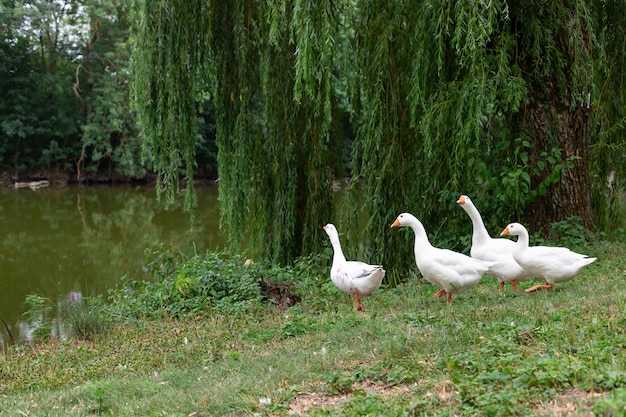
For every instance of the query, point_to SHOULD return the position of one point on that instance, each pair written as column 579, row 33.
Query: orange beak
column 324, row 227
column 461, row 200
column 505, row 231
column 396, row 223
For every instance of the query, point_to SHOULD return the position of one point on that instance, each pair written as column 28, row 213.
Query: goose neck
column 421, row 238
column 479, row 231
column 522, row 239
column 338, row 256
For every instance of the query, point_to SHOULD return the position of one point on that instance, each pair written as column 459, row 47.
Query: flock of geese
column 455, row 272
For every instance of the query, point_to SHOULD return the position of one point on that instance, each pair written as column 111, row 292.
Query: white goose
column 552, row 264
column 352, row 277
column 498, row 250
column 452, row 271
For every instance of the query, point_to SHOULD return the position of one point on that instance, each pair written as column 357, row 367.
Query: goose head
column 332, row 233
column 330, row 229
column 514, row 229
column 464, row 200
column 405, row 219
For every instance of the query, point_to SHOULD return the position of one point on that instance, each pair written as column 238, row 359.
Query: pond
column 60, row 243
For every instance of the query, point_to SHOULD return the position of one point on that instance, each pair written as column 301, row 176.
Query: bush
column 183, row 286
column 213, row 283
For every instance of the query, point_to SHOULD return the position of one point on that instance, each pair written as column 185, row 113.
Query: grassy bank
column 487, row 353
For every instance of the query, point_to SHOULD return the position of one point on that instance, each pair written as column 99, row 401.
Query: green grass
column 488, row 353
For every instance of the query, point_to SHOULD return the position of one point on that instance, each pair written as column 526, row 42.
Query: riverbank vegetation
column 202, row 339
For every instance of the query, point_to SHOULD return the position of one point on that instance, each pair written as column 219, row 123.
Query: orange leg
column 440, row 294
column 536, row 287
column 357, row 302
column 513, row 283
column 449, row 300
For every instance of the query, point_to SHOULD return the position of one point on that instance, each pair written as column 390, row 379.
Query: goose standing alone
column 352, row 277
column 552, row 264
column 497, row 250
column 452, row 271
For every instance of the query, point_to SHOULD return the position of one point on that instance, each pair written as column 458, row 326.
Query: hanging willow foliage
column 608, row 133
column 435, row 82
column 387, row 155
column 490, row 98
column 170, row 58
column 269, row 68
column 235, row 54
column 295, row 189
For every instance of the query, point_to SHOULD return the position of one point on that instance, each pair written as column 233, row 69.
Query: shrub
column 193, row 285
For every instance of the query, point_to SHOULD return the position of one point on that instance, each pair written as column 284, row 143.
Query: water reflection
column 81, row 241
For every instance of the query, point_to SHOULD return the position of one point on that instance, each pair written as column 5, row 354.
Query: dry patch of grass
column 573, row 402
column 308, row 401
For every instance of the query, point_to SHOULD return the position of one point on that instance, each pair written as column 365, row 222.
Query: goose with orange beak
column 549, row 263
column 352, row 277
column 498, row 250
column 451, row 271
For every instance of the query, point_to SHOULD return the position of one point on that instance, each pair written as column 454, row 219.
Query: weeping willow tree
column 268, row 66
column 169, row 64
column 492, row 99
column 608, row 129
column 556, row 59
column 499, row 99
column 442, row 86
column 388, row 157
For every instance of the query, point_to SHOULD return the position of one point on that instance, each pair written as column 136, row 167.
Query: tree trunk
column 556, row 118
column 568, row 130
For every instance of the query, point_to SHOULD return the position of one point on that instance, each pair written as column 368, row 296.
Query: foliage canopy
column 495, row 100
column 64, row 76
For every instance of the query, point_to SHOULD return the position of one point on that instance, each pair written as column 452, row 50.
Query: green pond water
column 63, row 243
